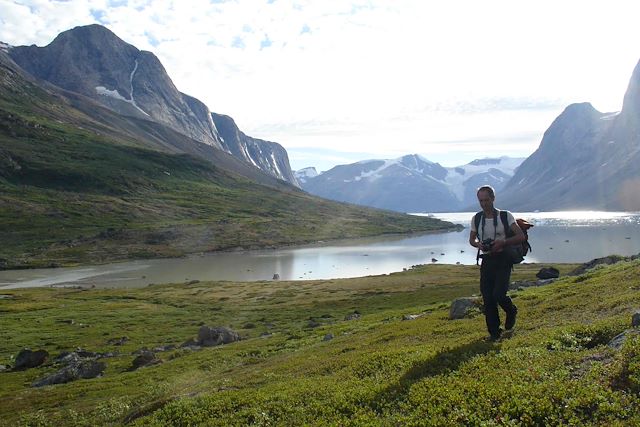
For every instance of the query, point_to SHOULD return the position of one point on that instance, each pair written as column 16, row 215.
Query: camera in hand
column 487, row 244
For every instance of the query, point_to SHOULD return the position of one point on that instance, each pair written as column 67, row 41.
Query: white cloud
column 373, row 76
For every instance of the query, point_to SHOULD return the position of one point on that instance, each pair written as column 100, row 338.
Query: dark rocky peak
column 631, row 103
column 81, row 59
column 577, row 124
column 93, row 61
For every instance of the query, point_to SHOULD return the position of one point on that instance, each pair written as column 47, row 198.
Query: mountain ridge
column 93, row 61
column 410, row 183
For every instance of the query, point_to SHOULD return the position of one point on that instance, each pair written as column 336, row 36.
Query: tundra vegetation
column 300, row 362
column 74, row 191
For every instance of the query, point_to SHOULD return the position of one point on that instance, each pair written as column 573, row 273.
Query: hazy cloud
column 372, row 76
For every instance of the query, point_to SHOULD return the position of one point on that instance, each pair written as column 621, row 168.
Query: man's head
column 486, row 195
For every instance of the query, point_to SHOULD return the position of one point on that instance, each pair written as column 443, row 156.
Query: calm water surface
column 556, row 237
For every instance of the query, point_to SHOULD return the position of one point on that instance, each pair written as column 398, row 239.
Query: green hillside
column 377, row 370
column 73, row 190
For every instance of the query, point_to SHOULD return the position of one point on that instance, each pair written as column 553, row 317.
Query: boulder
column 146, row 358
column 209, row 337
column 635, row 319
column 30, row 359
column 462, row 307
column 118, row 341
column 608, row 260
column 352, row 316
column 548, row 273
column 85, row 369
column 617, row 341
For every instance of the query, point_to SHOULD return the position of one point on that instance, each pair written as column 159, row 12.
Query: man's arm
column 518, row 237
column 473, row 239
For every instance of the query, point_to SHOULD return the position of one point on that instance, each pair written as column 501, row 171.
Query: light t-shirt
column 491, row 232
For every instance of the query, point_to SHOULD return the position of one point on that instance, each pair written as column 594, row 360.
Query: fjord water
column 556, row 237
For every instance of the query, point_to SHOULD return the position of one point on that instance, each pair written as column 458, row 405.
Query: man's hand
column 498, row 245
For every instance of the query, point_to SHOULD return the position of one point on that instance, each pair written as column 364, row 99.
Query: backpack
column 516, row 252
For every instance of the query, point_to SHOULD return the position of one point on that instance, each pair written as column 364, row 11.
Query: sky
column 338, row 81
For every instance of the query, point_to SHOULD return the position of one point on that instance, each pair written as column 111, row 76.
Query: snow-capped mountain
column 304, row 174
column 411, row 183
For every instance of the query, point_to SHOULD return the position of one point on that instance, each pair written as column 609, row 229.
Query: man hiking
column 489, row 235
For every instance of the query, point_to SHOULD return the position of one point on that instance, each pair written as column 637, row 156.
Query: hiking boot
column 495, row 337
column 510, row 321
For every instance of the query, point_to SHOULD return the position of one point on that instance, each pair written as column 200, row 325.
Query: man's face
column 486, row 201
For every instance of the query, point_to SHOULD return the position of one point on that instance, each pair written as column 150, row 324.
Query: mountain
column 80, row 183
column 92, row 61
column 266, row 155
column 410, row 183
column 304, row 174
column 586, row 160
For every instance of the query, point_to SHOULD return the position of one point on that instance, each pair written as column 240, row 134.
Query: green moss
column 379, row 370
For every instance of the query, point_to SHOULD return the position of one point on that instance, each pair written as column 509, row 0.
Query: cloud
column 372, row 76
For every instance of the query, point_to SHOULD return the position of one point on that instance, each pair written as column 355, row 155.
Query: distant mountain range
column 586, row 160
column 408, row 184
column 92, row 61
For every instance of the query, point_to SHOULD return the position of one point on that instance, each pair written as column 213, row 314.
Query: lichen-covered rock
column 462, row 307
column 208, row 337
column 85, row 369
column 548, row 273
column 30, row 359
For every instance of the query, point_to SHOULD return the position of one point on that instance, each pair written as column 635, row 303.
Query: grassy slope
column 380, row 370
column 71, row 195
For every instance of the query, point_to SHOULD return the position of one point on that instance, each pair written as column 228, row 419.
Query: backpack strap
column 505, row 223
column 476, row 222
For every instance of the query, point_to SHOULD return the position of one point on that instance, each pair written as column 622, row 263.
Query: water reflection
column 556, row 237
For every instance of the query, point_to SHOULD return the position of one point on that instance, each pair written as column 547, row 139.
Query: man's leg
column 487, row 285
column 503, row 277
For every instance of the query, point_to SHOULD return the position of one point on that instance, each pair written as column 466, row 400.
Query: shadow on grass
column 446, row 361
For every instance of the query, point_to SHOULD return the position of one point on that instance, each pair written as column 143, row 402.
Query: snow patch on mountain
column 457, row 176
column 101, row 90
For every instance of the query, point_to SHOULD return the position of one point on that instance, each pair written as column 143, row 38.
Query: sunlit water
column 556, row 237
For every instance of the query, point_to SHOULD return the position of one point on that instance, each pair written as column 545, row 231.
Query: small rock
column 189, row 343
column 328, row 337
column 461, row 307
column 313, row 323
column 635, row 319
column 352, row 316
column 146, row 358
column 410, row 316
column 617, row 341
column 548, row 273
column 85, row 369
column 30, row 359
column 3, row 368
column 208, row 337
column 118, row 341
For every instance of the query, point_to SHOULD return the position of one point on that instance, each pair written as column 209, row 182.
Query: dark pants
column 495, row 274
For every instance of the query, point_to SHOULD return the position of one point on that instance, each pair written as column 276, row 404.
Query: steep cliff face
column 586, row 160
column 266, row 155
column 94, row 62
